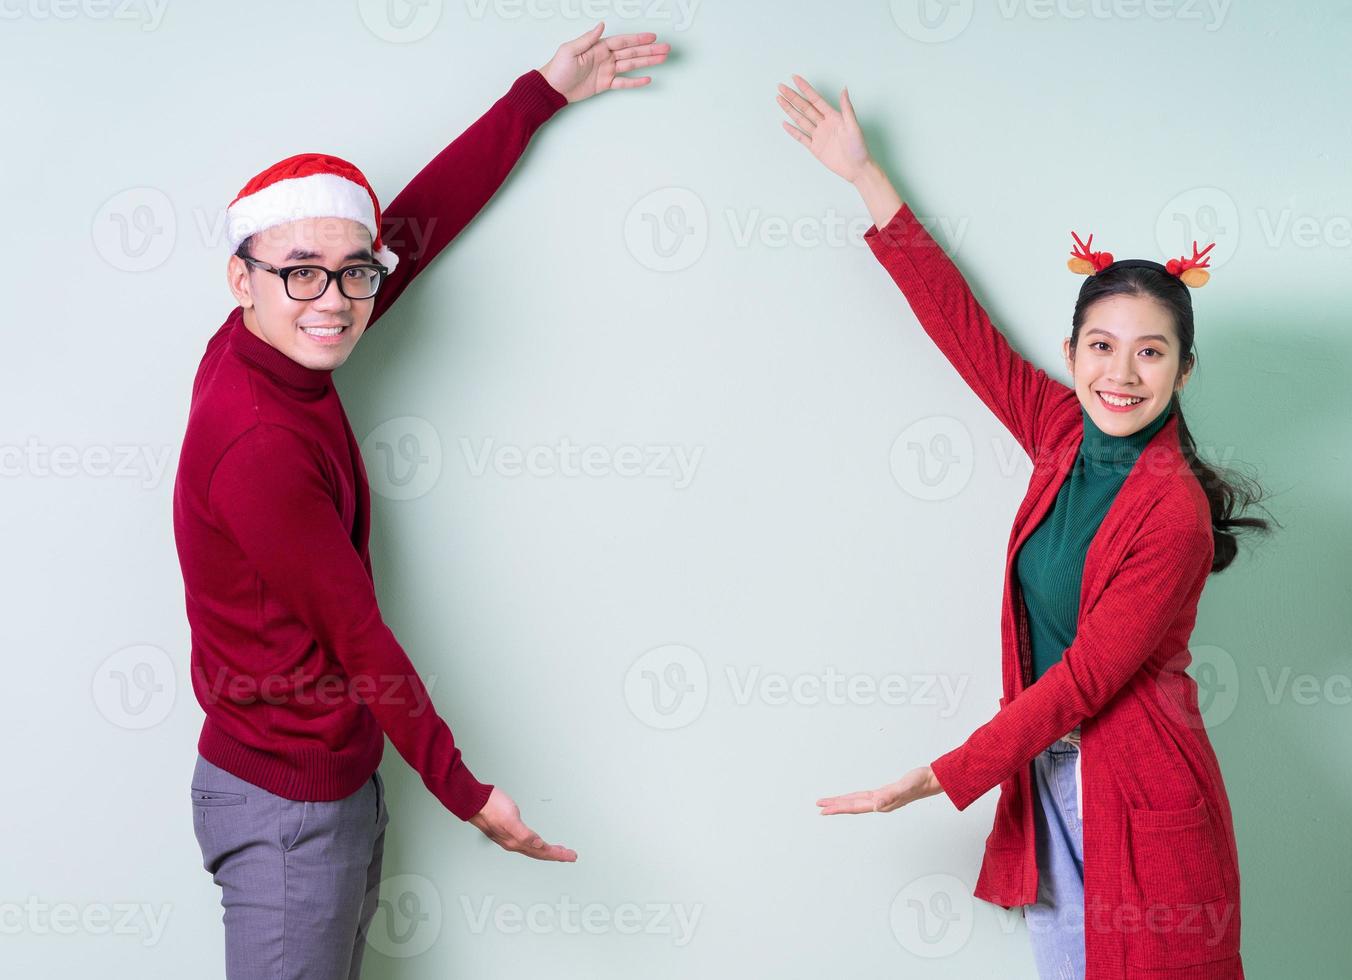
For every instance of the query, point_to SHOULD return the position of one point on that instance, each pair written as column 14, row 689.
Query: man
column 298, row 675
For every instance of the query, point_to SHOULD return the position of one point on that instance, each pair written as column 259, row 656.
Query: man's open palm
column 590, row 63
column 500, row 820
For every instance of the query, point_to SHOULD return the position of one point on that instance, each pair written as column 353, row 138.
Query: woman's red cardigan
column 1161, row 870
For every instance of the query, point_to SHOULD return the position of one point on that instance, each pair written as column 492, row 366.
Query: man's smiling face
column 303, row 330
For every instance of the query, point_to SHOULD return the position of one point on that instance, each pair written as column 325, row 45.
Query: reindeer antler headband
column 1190, row 271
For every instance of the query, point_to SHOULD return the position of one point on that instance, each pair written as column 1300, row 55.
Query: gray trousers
column 299, row 880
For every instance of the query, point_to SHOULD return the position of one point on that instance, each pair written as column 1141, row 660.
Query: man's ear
column 237, row 278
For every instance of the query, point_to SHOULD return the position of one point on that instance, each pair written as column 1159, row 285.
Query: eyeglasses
column 306, row 282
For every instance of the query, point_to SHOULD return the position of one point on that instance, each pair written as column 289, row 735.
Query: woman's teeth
column 1119, row 402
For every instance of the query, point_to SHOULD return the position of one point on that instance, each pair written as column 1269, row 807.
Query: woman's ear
column 1186, row 374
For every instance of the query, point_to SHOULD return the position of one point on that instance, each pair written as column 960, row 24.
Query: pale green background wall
column 778, row 350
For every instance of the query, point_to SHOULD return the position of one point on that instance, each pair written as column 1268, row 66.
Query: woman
column 1110, row 550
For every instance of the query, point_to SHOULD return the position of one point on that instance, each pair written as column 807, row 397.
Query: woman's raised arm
column 1016, row 391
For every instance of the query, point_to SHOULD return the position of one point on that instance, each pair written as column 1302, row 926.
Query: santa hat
column 307, row 185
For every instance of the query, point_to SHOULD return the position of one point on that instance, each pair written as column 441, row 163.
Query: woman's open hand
column 915, row 785
column 833, row 136
column 590, row 63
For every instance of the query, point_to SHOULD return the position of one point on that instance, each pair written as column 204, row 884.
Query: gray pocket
column 206, row 817
column 292, row 822
column 215, row 797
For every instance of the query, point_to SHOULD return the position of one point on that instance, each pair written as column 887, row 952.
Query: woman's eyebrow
column 1149, row 336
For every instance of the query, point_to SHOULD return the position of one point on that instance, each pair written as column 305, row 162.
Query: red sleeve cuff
column 947, row 770
column 904, row 229
column 461, row 793
column 535, row 97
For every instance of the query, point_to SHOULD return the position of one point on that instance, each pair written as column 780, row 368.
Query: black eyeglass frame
column 329, row 274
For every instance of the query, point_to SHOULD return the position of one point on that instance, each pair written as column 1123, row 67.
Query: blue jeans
column 1056, row 921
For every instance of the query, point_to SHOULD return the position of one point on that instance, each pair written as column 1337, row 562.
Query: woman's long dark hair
column 1228, row 493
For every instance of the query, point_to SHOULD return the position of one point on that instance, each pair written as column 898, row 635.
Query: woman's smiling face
column 1127, row 349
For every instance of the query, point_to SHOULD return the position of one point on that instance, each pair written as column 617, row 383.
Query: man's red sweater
column 298, row 674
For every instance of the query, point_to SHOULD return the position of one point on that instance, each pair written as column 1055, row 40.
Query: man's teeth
column 323, row 331
column 1119, row 402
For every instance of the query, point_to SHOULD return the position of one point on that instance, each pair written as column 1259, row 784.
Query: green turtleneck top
column 1050, row 562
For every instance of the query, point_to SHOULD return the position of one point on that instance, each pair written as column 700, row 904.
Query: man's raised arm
column 447, row 193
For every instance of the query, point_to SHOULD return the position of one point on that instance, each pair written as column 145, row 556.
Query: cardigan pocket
column 1175, row 855
column 1183, row 914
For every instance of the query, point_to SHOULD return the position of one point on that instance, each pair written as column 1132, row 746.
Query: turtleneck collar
column 262, row 355
column 1118, row 453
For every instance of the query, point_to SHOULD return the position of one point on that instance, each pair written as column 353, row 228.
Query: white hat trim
column 296, row 198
